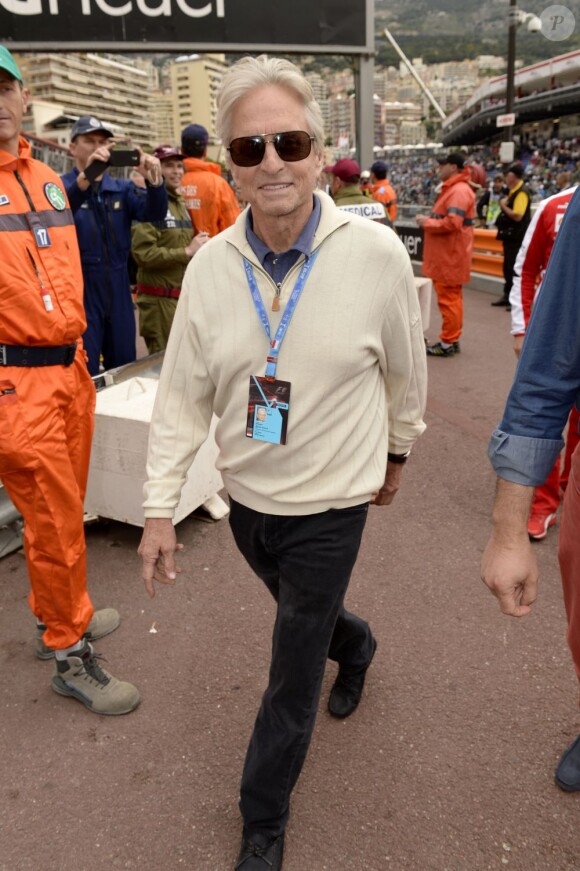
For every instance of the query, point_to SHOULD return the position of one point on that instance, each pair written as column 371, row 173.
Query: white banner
column 373, row 210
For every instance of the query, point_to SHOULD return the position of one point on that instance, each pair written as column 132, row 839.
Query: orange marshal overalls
column 447, row 250
column 46, row 412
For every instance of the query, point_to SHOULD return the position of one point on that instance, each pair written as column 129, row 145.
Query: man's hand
column 508, row 566
column 157, row 550
column 511, row 573
column 518, row 342
column 103, row 152
column 391, row 486
column 420, row 219
column 196, row 243
column 150, row 168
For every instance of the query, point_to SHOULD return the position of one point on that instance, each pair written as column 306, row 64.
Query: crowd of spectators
column 544, row 161
column 415, row 178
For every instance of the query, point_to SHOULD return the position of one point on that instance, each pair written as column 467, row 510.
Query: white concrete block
column 424, row 291
column 119, row 453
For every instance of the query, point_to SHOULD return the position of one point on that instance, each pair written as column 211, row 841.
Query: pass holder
column 269, row 398
column 268, row 407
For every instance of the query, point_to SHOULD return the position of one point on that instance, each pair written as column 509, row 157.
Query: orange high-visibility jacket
column 383, row 192
column 209, row 199
column 449, row 232
column 39, row 254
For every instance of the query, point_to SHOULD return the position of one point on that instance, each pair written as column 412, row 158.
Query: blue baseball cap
column 88, row 124
column 194, row 134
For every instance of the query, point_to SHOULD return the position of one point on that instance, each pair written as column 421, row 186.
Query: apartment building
column 412, row 133
column 402, row 122
column 320, row 91
column 162, row 118
column 342, row 125
column 114, row 88
column 195, row 82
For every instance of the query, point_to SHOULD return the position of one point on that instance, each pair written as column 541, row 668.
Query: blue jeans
column 305, row 562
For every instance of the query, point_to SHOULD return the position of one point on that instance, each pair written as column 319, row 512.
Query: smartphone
column 124, row 157
column 119, row 157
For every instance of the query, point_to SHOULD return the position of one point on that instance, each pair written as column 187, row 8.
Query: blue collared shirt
column 277, row 265
column 524, row 447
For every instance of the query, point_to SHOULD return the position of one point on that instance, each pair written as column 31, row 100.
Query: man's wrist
column 398, row 459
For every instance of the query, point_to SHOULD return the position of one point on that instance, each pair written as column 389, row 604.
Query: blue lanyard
column 276, row 342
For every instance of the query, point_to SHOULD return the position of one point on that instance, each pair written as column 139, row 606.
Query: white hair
column 258, row 72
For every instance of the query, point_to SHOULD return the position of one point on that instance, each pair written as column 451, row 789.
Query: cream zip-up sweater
column 354, row 354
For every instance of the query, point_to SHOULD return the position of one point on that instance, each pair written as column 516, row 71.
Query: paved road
column 446, row 766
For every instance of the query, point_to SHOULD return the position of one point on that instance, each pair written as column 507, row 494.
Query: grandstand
column 547, row 92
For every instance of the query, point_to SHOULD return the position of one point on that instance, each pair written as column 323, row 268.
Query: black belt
column 25, row 355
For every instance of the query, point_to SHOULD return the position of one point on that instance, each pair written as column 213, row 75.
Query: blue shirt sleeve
column 547, row 381
column 151, row 207
column 521, row 459
column 76, row 196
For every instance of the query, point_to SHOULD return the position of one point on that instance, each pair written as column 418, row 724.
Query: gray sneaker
column 81, row 677
column 102, row 623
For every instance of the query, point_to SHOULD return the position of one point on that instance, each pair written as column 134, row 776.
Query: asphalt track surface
column 446, row 766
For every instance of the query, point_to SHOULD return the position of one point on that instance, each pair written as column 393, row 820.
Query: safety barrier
column 487, row 257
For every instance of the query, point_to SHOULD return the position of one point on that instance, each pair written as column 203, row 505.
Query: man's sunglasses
column 291, row 146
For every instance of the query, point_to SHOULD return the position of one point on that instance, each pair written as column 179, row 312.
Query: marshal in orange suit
column 47, row 401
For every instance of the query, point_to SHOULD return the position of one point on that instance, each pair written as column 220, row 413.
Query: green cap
column 8, row 63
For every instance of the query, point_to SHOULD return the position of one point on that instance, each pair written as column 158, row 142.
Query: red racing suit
column 533, row 257
column 46, row 411
column 530, row 267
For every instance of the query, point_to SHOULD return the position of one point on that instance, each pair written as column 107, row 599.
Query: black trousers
column 510, row 253
column 306, row 563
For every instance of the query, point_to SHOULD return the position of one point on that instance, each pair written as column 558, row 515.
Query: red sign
column 506, row 120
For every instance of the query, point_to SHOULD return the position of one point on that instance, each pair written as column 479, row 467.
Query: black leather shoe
column 501, row 301
column 568, row 768
column 260, row 854
column 347, row 690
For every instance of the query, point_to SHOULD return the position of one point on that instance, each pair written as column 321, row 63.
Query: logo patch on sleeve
column 4, row 201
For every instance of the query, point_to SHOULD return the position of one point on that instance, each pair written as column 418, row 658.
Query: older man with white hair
column 293, row 325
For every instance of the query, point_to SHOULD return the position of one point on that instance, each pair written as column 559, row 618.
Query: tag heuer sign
column 187, row 25
column 506, row 120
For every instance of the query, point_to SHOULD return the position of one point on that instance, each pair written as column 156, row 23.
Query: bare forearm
column 508, row 566
column 511, row 511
